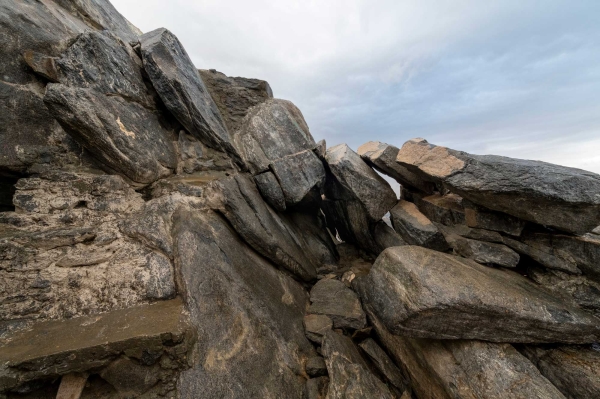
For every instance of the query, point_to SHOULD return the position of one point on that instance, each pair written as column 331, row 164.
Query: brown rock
column 415, row 228
column 332, row 298
column 316, row 325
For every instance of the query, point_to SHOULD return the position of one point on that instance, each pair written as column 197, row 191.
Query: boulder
column 270, row 190
column 298, row 175
column 485, row 252
column 349, row 375
column 482, row 218
column 445, row 209
column 386, row 237
column 565, row 198
column 316, row 325
column 543, row 255
column 422, row 293
column 415, row 228
column 333, row 299
column 384, row 364
column 349, row 220
column 182, row 90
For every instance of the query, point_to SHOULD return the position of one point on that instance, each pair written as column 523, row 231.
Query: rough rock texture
column 485, row 252
column 316, row 325
column 333, row 299
column 386, row 237
column 415, row 228
column 316, row 388
column 270, row 190
column 423, row 293
column 384, row 364
column 482, row 218
column 557, row 196
column 298, row 174
column 445, row 209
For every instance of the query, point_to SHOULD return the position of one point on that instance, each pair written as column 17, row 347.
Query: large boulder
column 564, row 198
column 422, row 293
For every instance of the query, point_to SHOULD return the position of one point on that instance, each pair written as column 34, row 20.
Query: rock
column 445, row 209
column 130, row 378
column 357, row 181
column 384, row 364
column 248, row 313
column 382, row 157
column 421, row 293
column 53, row 348
column 316, row 325
column 349, row 375
column 42, row 65
column 71, row 386
column 123, row 136
column 573, row 370
column 332, row 298
column 386, row 237
column 316, row 388
column 466, row 369
column 270, row 190
column 349, row 220
column 415, row 228
column 551, row 195
column 485, row 252
column 182, row 90
column 272, row 130
column 543, row 256
column 299, row 175
column 321, row 150
column 479, row 217
column 315, row 366
column 235, row 96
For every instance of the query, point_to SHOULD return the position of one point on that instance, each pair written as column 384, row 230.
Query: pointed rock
column 298, row 175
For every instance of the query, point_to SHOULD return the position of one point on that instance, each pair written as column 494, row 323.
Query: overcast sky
column 515, row 78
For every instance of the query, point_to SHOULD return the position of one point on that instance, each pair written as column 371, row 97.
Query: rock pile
column 168, row 232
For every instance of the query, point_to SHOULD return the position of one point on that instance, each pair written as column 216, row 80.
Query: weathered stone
column 321, row 149
column 310, row 229
column 573, row 370
column 384, row 364
column 382, row 157
column 130, row 378
column 564, row 198
column 316, row 325
column 451, row 233
column 235, row 96
column 358, row 182
column 544, row 256
column 272, row 130
column 415, row 228
column 316, row 388
column 332, row 298
column 386, row 237
column 445, row 209
column 71, row 386
column 485, row 252
column 42, row 65
column 481, row 218
column 270, row 190
column 248, row 313
column 315, row 366
column 349, row 220
column 349, row 375
column 422, row 293
column 182, row 90
column 299, row 175
column 123, row 136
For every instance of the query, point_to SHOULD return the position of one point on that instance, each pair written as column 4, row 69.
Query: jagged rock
column 557, row 196
column 415, row 228
column 123, row 136
column 316, row 388
column 52, row 348
column 349, row 375
column 316, row 325
column 315, row 366
column 485, row 252
column 248, row 314
column 357, row 181
column 427, row 294
column 239, row 201
column 543, row 256
column 182, row 90
column 298, row 175
column 384, row 364
column 332, row 298
column 481, row 218
column 382, row 157
column 235, row 96
column 386, row 237
column 445, row 209
column 573, row 370
column 270, row 190
column 466, row 369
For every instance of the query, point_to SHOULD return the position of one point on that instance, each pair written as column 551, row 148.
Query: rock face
column 333, row 299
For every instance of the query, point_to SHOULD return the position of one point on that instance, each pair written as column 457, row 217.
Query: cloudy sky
column 515, row 78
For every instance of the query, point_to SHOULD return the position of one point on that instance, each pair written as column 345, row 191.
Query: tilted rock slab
column 298, row 174
column 427, row 294
column 415, row 228
column 485, row 252
column 564, row 198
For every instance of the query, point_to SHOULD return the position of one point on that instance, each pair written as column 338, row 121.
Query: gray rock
column 123, row 136
column 482, row 218
column 316, row 388
column 129, row 378
column 386, row 237
column 427, row 294
column 485, row 252
column 415, row 228
column 248, row 314
column 315, row 366
column 321, row 149
column 332, row 298
column 564, row 198
column 272, row 130
column 182, row 90
column 299, row 175
column 573, row 370
column 270, row 190
column 544, row 256
column 384, row 364
column 349, row 219
column 445, row 209
column 451, row 233
column 349, row 375
column 316, row 325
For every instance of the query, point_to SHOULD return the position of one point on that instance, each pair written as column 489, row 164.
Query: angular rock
column 445, row 209
column 321, row 149
column 382, row 157
column 421, row 293
column 298, row 175
column 573, row 370
column 384, row 364
column 123, row 136
column 270, row 190
column 315, row 366
column 564, row 198
column 71, row 386
column 332, row 298
column 386, row 237
column 316, row 388
column 415, row 228
column 349, row 375
column 544, row 256
column 248, row 313
column 316, row 325
column 485, row 252
column 349, row 220
column 182, row 90
column 272, row 130
column 42, row 65
column 481, row 218
column 235, row 96
column 359, row 182
column 129, row 378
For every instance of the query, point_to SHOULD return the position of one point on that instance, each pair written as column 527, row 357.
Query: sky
column 513, row 78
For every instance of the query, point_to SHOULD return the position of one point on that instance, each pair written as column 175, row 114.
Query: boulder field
column 169, row 232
